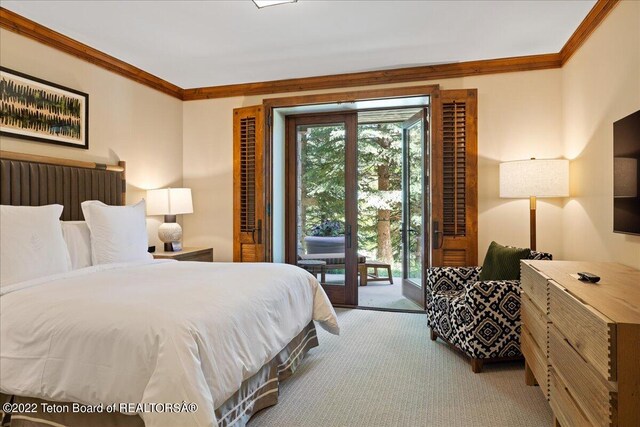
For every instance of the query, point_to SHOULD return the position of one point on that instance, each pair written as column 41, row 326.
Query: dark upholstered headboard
column 30, row 180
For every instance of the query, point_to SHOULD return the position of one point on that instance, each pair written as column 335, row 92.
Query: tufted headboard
column 31, row 180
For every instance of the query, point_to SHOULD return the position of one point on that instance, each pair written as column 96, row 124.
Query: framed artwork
column 38, row 110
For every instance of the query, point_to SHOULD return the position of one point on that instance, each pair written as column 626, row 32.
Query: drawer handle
column 575, row 297
column 575, row 350
column 575, row 403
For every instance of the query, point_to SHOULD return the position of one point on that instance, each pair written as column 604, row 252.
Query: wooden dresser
column 581, row 341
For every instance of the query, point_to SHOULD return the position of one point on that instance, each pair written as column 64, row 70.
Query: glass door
column 323, row 223
column 414, row 211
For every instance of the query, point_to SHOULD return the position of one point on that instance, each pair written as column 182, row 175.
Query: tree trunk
column 384, row 251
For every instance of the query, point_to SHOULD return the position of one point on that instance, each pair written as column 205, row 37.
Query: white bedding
column 153, row 332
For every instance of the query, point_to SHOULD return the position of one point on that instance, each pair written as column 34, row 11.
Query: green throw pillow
column 503, row 262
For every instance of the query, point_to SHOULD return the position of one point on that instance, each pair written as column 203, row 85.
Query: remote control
column 588, row 277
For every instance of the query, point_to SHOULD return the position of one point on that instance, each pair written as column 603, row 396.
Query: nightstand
column 187, row 254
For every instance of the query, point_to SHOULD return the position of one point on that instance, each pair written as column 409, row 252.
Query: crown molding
column 368, row 78
column 588, row 25
column 23, row 26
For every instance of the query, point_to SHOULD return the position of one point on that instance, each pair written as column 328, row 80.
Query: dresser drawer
column 534, row 284
column 593, row 394
column 535, row 321
column 564, row 406
column 536, row 359
column 590, row 333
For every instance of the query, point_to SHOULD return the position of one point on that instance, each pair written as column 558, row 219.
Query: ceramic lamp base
column 170, row 233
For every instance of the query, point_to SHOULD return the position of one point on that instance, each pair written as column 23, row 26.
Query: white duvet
column 153, row 332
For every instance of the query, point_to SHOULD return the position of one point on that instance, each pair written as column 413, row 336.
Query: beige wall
column 127, row 121
column 519, row 116
column 208, row 171
column 600, row 84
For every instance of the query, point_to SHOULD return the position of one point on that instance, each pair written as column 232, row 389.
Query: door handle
column 403, row 229
column 347, row 236
column 438, row 236
column 258, row 229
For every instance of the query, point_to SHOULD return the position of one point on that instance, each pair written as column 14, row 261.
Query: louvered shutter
column 455, row 192
column 248, row 184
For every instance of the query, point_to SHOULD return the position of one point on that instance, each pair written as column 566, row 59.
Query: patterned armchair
column 481, row 319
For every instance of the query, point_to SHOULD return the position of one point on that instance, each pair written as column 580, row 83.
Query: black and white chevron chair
column 481, row 319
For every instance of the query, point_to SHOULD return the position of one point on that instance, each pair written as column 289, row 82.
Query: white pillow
column 31, row 243
column 118, row 233
column 78, row 238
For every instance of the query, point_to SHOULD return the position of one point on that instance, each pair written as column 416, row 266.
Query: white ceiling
column 210, row 43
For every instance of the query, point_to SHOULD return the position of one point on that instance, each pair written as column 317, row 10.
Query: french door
column 415, row 205
column 321, row 200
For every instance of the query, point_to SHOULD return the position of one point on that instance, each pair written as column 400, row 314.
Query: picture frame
column 38, row 110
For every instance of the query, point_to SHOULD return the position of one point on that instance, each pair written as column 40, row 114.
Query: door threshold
column 393, row 310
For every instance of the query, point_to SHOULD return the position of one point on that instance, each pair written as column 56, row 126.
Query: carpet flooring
column 384, row 371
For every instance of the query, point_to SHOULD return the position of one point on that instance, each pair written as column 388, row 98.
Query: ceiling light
column 265, row 3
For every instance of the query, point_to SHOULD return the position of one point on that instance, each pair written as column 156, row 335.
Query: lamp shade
column 534, row 178
column 625, row 177
column 169, row 201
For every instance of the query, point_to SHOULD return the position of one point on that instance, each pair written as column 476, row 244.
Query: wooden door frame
column 348, row 293
column 269, row 104
column 435, row 181
column 352, row 96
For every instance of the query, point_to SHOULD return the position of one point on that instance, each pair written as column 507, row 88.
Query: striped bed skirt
column 257, row 392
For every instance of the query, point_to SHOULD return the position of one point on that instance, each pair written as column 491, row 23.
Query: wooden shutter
column 248, row 184
column 455, row 179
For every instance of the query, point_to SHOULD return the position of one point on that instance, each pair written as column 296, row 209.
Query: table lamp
column 170, row 202
column 532, row 179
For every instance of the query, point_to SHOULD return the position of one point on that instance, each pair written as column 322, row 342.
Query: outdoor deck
column 379, row 294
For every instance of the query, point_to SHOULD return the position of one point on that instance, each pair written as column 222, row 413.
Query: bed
column 147, row 342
